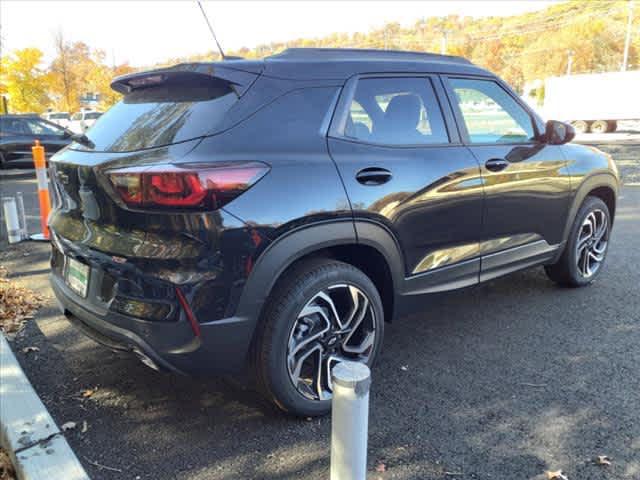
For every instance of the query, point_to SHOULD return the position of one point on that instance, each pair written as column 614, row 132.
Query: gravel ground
column 502, row 381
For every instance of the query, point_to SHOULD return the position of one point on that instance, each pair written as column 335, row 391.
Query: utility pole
column 569, row 62
column 627, row 41
column 443, row 42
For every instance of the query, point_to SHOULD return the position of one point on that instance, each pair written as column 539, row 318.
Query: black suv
column 276, row 213
column 19, row 132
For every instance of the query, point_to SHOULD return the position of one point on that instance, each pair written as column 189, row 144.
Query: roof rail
column 364, row 53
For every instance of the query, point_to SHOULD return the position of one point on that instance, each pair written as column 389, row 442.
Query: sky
column 146, row 32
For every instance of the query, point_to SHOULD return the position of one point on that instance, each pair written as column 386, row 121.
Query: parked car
column 60, row 118
column 274, row 214
column 19, row 132
column 81, row 121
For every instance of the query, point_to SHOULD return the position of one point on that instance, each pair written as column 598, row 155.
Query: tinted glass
column 161, row 115
column 92, row 115
column 490, row 114
column 396, row 111
column 59, row 116
column 40, row 127
column 13, row 126
column 77, row 116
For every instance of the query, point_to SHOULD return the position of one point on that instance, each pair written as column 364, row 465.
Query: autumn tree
column 24, row 81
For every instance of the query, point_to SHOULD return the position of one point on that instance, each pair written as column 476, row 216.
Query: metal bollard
column 11, row 219
column 21, row 215
column 349, row 421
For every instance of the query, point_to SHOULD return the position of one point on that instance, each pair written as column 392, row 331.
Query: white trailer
column 592, row 102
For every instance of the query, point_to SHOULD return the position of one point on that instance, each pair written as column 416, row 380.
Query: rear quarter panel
column 303, row 185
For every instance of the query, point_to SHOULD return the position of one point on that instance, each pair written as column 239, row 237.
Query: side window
column 76, row 116
column 490, row 114
column 396, row 111
column 13, row 126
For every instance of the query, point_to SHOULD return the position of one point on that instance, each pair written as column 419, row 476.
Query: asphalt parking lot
column 501, row 381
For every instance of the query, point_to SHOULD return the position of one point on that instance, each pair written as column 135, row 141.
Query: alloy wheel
column 337, row 324
column 591, row 245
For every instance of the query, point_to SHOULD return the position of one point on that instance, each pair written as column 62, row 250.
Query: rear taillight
column 191, row 187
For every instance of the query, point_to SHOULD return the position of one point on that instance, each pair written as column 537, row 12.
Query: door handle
column 496, row 164
column 373, row 176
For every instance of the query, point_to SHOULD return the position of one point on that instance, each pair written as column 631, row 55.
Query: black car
column 274, row 214
column 18, row 134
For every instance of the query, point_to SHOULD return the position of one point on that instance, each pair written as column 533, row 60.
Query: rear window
column 59, row 116
column 180, row 109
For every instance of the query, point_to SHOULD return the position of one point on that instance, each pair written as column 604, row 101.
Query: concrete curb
column 17, row 174
column 34, row 442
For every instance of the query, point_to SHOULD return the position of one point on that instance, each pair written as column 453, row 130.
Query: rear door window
column 177, row 110
column 396, row 111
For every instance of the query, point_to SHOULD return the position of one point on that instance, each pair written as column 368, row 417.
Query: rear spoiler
column 239, row 79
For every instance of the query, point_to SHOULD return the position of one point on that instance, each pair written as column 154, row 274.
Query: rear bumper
column 221, row 347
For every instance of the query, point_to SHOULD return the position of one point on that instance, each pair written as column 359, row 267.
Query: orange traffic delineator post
column 43, row 190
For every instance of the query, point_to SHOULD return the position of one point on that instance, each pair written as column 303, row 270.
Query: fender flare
column 589, row 184
column 282, row 252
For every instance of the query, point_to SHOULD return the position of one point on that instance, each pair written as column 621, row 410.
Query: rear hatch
column 161, row 118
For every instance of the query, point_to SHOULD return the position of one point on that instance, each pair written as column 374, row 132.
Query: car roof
column 341, row 63
column 333, row 64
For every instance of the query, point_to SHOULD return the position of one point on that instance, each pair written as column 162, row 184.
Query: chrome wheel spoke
column 332, row 308
column 364, row 345
column 585, row 264
column 601, row 230
column 598, row 257
column 300, row 361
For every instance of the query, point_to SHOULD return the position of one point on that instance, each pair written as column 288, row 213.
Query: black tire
column 612, row 126
column 566, row 270
column 3, row 163
column 581, row 126
column 600, row 126
column 283, row 312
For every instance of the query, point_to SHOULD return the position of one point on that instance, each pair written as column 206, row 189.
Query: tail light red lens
column 189, row 187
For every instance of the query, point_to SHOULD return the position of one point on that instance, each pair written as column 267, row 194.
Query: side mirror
column 558, row 133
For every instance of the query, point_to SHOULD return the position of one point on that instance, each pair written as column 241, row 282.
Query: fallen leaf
column 85, row 427
column 17, row 305
column 87, row 393
column 404, row 368
column 381, row 467
column 556, row 475
column 68, row 426
column 603, row 460
column 30, row 349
